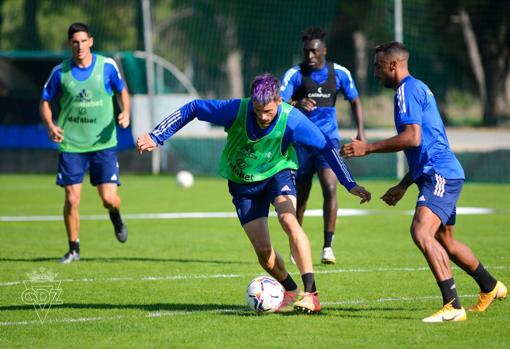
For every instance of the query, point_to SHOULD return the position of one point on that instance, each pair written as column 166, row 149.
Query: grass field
column 180, row 283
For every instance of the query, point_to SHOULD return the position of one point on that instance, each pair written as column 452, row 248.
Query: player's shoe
column 287, row 305
column 447, row 313
column 121, row 229
column 328, row 257
column 485, row 299
column 309, row 303
column 70, row 257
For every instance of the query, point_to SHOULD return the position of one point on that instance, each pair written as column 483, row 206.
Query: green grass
column 181, row 282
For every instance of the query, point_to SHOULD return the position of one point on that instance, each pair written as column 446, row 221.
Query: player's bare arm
column 55, row 133
column 357, row 111
column 124, row 117
column 145, row 143
column 408, row 138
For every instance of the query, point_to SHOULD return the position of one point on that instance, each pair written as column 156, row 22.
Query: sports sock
column 309, row 282
column 74, row 246
column 328, row 238
column 449, row 292
column 483, row 278
column 115, row 217
column 289, row 284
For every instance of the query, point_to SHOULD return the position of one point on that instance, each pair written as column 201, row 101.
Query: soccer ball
column 184, row 179
column 264, row 294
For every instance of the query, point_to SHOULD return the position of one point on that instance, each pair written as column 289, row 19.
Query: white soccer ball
column 264, row 294
column 184, row 179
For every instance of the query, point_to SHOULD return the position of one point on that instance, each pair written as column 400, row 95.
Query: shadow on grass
column 162, row 307
column 125, row 259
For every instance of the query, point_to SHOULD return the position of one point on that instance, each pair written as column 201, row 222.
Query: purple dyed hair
column 264, row 89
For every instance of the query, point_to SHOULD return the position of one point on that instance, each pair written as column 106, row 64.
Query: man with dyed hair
column 439, row 177
column 259, row 162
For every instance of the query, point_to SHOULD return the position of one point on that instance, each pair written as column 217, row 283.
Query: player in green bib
column 259, row 162
column 86, row 130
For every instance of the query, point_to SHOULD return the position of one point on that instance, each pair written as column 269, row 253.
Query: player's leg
column 258, row 233
column 435, row 204
column 328, row 183
column 104, row 174
column 490, row 288
column 72, row 221
column 304, row 178
column 303, row 193
column 71, row 171
column 423, row 230
column 282, row 192
column 252, row 208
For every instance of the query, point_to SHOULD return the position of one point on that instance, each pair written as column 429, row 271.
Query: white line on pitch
column 164, row 313
column 195, row 215
column 233, row 276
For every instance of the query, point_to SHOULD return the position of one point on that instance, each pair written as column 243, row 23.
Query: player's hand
column 306, row 104
column 56, row 134
column 123, row 119
column 145, row 143
column 394, row 194
column 362, row 193
column 355, row 148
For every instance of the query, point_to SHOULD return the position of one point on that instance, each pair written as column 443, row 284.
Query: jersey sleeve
column 305, row 132
column 52, row 87
column 112, row 75
column 345, row 83
column 289, row 83
column 408, row 104
column 217, row 112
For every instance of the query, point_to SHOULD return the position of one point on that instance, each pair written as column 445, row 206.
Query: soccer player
column 439, row 177
column 312, row 87
column 85, row 130
column 259, row 162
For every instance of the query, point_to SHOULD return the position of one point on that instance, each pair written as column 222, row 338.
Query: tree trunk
column 360, row 46
column 475, row 59
column 30, row 36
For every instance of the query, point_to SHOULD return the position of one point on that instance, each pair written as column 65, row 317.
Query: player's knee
column 109, row 200
column 72, row 201
column 329, row 192
column 420, row 237
column 287, row 220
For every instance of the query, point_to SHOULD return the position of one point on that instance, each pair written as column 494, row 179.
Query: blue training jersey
column 223, row 113
column 112, row 78
column 323, row 117
column 414, row 103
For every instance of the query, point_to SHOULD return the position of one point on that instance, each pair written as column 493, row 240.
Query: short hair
column 264, row 89
column 313, row 33
column 392, row 48
column 75, row 28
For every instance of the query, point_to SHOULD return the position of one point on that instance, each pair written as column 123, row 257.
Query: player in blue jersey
column 259, row 162
column 312, row 87
column 439, row 177
column 85, row 130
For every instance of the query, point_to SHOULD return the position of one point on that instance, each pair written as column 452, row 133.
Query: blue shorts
column 440, row 195
column 310, row 162
column 252, row 200
column 103, row 166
